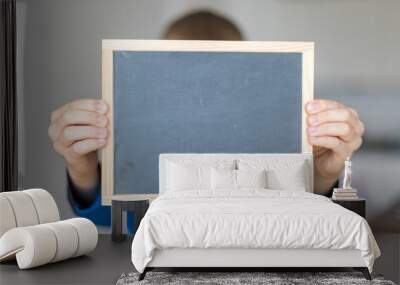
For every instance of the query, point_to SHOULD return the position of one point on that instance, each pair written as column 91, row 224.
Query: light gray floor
column 102, row 266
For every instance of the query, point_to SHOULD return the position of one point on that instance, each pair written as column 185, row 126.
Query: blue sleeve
column 87, row 204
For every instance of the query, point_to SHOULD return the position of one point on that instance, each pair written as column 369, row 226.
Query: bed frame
column 255, row 259
column 246, row 259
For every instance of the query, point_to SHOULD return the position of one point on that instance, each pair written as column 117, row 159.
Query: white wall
column 357, row 60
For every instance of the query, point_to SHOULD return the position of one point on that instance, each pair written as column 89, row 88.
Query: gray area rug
column 225, row 278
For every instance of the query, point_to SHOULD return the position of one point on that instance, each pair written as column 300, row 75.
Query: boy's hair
column 203, row 25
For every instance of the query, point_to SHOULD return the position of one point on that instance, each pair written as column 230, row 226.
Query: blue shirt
column 87, row 204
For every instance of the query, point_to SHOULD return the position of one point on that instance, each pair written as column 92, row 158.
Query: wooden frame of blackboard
column 109, row 46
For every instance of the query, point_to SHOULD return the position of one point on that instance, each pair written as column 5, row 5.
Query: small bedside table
column 138, row 204
column 356, row 205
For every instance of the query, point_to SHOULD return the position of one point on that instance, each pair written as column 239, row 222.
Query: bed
column 245, row 211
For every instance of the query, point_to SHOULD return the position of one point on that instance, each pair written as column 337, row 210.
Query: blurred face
column 203, row 25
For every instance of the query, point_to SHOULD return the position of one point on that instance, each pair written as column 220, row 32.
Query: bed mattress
column 250, row 219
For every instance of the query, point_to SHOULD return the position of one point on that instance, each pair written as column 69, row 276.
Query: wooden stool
column 137, row 205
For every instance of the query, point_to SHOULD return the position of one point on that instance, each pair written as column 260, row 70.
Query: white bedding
column 250, row 218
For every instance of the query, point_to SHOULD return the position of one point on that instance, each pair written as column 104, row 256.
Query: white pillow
column 189, row 175
column 223, row 179
column 282, row 174
column 236, row 179
column 293, row 180
column 183, row 177
column 251, row 178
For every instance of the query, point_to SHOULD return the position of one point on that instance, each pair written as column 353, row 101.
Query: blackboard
column 201, row 101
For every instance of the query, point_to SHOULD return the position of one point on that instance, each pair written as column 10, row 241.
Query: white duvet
column 251, row 218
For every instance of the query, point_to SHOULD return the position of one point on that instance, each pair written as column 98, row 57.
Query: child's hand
column 335, row 131
column 78, row 130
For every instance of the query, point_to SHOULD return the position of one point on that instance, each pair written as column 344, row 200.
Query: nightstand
column 357, row 205
column 138, row 206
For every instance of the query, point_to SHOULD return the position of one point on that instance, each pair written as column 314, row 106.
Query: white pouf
column 33, row 246
column 67, row 239
column 87, row 234
column 23, row 208
column 31, row 232
column 37, row 245
column 46, row 207
column 7, row 218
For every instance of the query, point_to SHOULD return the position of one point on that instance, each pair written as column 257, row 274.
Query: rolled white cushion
column 87, row 235
column 23, row 208
column 26, row 208
column 67, row 239
column 7, row 218
column 40, row 244
column 33, row 246
column 45, row 205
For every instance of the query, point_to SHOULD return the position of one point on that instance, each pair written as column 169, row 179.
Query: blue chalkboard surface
column 201, row 102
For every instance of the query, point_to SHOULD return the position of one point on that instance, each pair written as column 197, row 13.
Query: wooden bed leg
column 364, row 271
column 142, row 275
